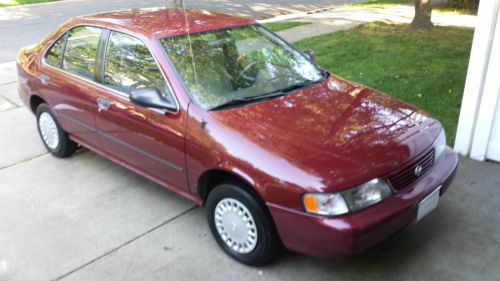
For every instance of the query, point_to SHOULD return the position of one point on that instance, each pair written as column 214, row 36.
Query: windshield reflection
column 224, row 65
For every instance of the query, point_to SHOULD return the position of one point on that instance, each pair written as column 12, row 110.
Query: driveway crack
column 126, row 243
column 23, row 161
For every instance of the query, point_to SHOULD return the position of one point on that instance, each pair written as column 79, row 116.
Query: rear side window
column 130, row 65
column 81, row 51
column 54, row 55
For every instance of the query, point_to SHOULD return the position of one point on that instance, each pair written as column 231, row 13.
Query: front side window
column 81, row 51
column 130, row 65
column 227, row 65
column 54, row 55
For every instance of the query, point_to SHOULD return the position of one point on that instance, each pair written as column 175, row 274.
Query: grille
column 407, row 175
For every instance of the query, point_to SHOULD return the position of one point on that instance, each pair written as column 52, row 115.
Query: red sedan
column 227, row 114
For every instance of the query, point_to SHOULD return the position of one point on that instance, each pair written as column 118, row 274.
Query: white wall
column 478, row 132
column 493, row 149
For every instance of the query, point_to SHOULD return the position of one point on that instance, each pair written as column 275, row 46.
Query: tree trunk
column 423, row 12
column 174, row 3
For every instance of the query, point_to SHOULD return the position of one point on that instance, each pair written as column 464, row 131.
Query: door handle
column 44, row 78
column 103, row 104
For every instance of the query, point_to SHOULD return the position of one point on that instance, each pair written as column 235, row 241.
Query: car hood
column 336, row 133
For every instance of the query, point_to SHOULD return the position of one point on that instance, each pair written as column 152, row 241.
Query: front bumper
column 351, row 233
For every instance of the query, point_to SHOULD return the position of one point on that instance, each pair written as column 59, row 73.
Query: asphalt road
column 24, row 25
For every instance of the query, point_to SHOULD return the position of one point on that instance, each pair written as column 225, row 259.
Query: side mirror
column 310, row 55
column 151, row 97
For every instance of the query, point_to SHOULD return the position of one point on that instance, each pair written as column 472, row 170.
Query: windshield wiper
column 238, row 101
column 245, row 100
column 303, row 84
column 273, row 94
column 295, row 87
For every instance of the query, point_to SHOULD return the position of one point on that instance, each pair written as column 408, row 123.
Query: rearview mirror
column 151, row 97
column 310, row 55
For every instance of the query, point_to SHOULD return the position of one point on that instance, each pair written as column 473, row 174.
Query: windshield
column 237, row 63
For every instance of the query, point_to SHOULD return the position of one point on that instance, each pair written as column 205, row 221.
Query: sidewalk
column 335, row 19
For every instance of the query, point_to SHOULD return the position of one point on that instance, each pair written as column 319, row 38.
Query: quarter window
column 54, row 55
column 130, row 65
column 81, row 51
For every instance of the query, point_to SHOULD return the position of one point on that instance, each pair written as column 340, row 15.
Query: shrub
column 464, row 4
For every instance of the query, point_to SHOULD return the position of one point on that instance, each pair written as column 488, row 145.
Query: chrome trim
column 123, row 143
column 418, row 170
column 123, row 94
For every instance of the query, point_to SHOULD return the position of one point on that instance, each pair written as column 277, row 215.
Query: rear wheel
column 241, row 225
column 53, row 136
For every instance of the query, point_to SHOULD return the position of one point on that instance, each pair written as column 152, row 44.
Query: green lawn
column 4, row 3
column 424, row 68
column 282, row 25
column 442, row 7
column 382, row 3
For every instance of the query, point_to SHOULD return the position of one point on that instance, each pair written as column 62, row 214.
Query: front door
column 149, row 141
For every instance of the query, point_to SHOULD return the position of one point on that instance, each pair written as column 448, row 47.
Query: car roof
column 163, row 22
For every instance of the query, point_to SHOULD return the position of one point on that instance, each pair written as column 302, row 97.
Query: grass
column 424, row 68
column 5, row 3
column 382, row 3
column 437, row 7
column 445, row 8
column 282, row 25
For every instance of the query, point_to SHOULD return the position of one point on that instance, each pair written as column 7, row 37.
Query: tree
column 423, row 12
column 174, row 3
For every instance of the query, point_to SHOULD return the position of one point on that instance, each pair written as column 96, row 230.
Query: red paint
column 328, row 137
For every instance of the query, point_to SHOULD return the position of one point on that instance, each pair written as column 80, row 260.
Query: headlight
column 325, row 203
column 347, row 201
column 366, row 194
column 439, row 144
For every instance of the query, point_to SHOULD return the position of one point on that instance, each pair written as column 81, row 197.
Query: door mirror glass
column 309, row 54
column 151, row 97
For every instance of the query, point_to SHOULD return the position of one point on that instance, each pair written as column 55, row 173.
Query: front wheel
column 241, row 226
column 53, row 136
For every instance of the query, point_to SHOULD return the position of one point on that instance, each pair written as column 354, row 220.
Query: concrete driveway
column 86, row 218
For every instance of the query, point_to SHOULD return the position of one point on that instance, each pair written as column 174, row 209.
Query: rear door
column 147, row 140
column 68, row 75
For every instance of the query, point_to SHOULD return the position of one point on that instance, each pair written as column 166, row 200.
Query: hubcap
column 235, row 225
column 48, row 130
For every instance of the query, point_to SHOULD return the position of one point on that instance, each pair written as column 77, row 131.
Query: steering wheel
column 244, row 70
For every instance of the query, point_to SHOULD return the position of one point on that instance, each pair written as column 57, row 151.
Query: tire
column 53, row 136
column 240, row 204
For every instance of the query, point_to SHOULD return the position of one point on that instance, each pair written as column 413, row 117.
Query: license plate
column 428, row 204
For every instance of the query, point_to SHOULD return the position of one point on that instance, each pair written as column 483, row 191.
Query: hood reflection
column 333, row 124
